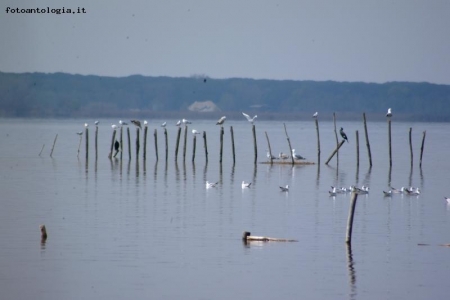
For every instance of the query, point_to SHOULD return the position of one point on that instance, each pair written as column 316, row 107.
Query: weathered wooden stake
column 205, row 145
column 178, row 143
column 137, row 142
column 232, row 144
column 367, row 140
column 112, row 144
column 185, row 143
column 221, row 144
column 53, row 147
column 167, row 143
column 255, row 145
column 79, row 147
column 390, row 142
column 96, row 142
column 335, row 151
column 194, row 145
column 337, row 141
column 42, row 149
column 351, row 212
column 87, row 142
column 421, row 148
column 145, row 143
column 155, row 134
column 289, row 143
column 270, row 149
column 121, row 142
column 357, row 149
column 410, row 145
column 318, row 140
column 129, row 143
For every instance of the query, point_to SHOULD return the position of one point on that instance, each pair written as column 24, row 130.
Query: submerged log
column 247, row 237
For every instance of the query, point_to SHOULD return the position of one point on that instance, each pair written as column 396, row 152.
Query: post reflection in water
column 351, row 272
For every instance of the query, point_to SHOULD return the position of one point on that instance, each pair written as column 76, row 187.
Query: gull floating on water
column 388, row 193
column 194, row 132
column 389, row 113
column 186, row 121
column 221, row 121
column 122, row 123
column 285, row 189
column 137, row 123
column 333, row 191
column 211, row 184
column 251, row 120
column 412, row 192
column 297, row 156
column 246, row 184
column 96, row 122
column 344, row 136
column 315, row 115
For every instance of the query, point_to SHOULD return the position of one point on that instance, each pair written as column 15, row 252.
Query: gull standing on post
column 221, row 121
column 194, row 132
column 164, row 124
column 186, row 122
column 389, row 113
column 96, row 123
column 251, row 120
column 178, row 123
column 315, row 115
column 122, row 123
column 344, row 136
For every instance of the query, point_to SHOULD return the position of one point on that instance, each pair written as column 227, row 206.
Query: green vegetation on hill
column 65, row 95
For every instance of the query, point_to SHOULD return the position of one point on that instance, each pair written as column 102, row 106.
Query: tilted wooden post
column 178, row 143
column 337, row 142
column 232, row 144
column 421, row 148
column 270, row 149
column 129, row 143
column 367, row 139
column 155, row 134
column 194, row 145
column 351, row 213
column 357, row 149
column 185, row 142
column 410, row 145
column 54, row 142
column 254, row 143
column 289, row 143
column 205, row 145
column 335, row 151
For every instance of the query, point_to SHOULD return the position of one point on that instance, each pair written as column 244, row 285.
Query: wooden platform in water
column 287, row 162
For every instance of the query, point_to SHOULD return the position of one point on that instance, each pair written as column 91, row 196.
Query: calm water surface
column 135, row 229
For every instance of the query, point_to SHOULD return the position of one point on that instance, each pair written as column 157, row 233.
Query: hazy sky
column 348, row 40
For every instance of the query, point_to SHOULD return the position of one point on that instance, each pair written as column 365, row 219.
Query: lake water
column 151, row 230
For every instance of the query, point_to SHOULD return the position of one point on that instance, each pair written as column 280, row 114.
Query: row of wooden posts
column 155, row 134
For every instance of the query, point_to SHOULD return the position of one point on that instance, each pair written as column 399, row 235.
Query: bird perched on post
column 221, row 121
column 194, row 132
column 137, row 123
column 315, row 115
column 389, row 113
column 344, row 136
column 251, row 120
column 186, row 122
column 122, row 123
column 116, row 147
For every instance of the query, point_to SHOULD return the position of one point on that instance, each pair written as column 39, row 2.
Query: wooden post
column 367, row 139
column 167, row 143
column 42, row 149
column 96, row 142
column 289, row 143
column 205, row 145
column 337, row 141
column 270, row 149
column 145, row 142
column 357, row 149
column 335, row 151
column 410, row 145
column 318, row 140
column 79, row 146
column 254, row 143
column 194, row 144
column 155, row 134
column 390, row 142
column 232, row 144
column 221, row 144
column 421, row 148
column 112, row 143
column 178, row 143
column 351, row 212
column 121, row 142
column 53, row 147
column 137, row 142
column 129, row 143
column 185, row 142
column 87, row 142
